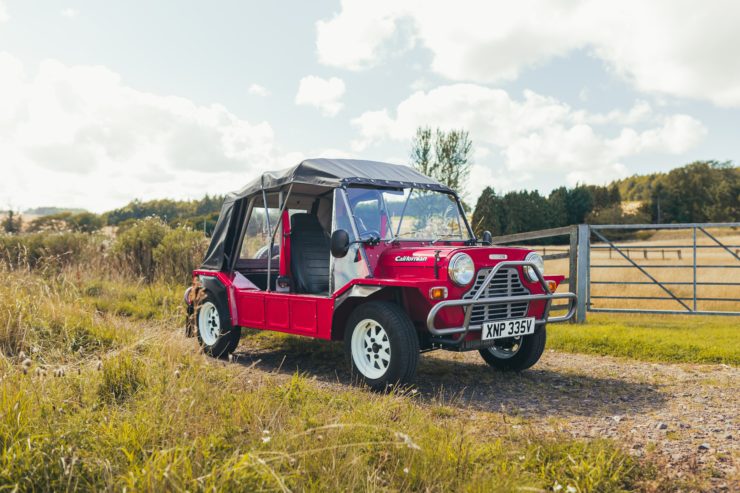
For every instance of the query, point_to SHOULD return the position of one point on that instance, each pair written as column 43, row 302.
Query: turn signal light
column 552, row 286
column 438, row 293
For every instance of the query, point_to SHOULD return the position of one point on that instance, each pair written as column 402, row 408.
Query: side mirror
column 339, row 243
column 487, row 237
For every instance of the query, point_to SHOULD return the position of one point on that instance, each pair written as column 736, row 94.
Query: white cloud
column 664, row 46
column 535, row 140
column 79, row 136
column 324, row 94
column 69, row 13
column 353, row 38
column 3, row 12
column 258, row 90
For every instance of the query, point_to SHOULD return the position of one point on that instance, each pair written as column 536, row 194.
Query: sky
column 103, row 102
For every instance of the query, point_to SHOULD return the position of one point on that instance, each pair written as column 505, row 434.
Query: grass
column 97, row 397
column 668, row 338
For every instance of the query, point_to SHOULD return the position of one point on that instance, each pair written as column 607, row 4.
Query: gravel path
column 686, row 416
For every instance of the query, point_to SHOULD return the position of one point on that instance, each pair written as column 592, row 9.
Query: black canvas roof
column 310, row 176
column 333, row 173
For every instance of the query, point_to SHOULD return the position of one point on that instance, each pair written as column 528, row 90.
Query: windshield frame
column 462, row 219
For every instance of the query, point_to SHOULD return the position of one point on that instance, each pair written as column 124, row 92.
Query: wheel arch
column 348, row 302
column 216, row 287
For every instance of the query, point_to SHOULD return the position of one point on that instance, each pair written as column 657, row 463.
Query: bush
column 47, row 249
column 82, row 222
column 178, row 254
column 135, row 246
column 150, row 249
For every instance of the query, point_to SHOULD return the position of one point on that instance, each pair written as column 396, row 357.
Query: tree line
column 198, row 215
column 703, row 191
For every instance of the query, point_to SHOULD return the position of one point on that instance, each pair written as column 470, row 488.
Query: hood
column 402, row 262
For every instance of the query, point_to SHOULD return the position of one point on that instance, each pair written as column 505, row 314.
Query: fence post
column 572, row 260
column 582, row 271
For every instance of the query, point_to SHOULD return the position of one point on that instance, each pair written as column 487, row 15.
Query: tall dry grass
column 101, row 391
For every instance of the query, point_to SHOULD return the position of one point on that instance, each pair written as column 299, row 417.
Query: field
column 101, row 390
column 668, row 338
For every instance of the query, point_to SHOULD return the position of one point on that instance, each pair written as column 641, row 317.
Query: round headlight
column 461, row 269
column 539, row 264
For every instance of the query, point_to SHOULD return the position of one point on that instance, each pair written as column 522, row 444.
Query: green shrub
column 149, row 248
column 53, row 250
column 179, row 253
column 135, row 247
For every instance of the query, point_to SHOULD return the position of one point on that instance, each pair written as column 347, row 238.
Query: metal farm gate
column 644, row 268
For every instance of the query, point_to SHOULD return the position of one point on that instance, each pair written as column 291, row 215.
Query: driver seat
column 309, row 256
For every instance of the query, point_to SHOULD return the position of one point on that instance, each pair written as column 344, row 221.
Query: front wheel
column 516, row 353
column 216, row 335
column 381, row 345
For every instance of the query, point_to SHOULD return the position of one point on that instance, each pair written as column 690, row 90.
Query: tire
column 530, row 349
column 216, row 335
column 375, row 329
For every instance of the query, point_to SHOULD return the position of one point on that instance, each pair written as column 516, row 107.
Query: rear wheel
column 516, row 353
column 216, row 335
column 381, row 345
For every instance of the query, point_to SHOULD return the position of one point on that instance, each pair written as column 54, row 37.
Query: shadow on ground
column 469, row 383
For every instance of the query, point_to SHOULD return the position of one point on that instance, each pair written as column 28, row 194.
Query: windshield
column 408, row 214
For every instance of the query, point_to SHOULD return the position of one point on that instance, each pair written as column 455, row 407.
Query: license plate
column 508, row 328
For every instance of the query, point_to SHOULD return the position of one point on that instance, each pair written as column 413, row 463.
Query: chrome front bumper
column 468, row 304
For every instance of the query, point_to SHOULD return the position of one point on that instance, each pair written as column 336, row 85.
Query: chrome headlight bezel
column 461, row 269
column 536, row 259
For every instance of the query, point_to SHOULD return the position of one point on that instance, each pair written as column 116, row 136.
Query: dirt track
column 688, row 416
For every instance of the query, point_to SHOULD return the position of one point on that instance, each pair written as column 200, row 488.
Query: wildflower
column 177, row 373
column 266, row 439
column 557, row 486
column 405, row 470
column 21, row 355
column 570, row 489
column 27, row 363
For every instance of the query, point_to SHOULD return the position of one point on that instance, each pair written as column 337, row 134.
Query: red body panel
column 410, row 267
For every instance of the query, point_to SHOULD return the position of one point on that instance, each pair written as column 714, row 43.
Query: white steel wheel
column 506, row 348
column 371, row 348
column 209, row 323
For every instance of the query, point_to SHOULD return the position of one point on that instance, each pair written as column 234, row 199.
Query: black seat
column 309, row 254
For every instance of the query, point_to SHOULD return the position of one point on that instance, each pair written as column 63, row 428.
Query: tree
column 451, row 151
column 524, row 211
column 578, row 203
column 10, row 224
column 487, row 213
column 449, row 163
column 421, row 151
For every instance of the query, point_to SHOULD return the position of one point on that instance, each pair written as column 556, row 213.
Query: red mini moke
column 374, row 254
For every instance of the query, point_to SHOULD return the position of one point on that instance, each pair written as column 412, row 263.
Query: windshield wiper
column 445, row 236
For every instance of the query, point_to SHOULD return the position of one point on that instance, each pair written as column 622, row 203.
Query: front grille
column 506, row 282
